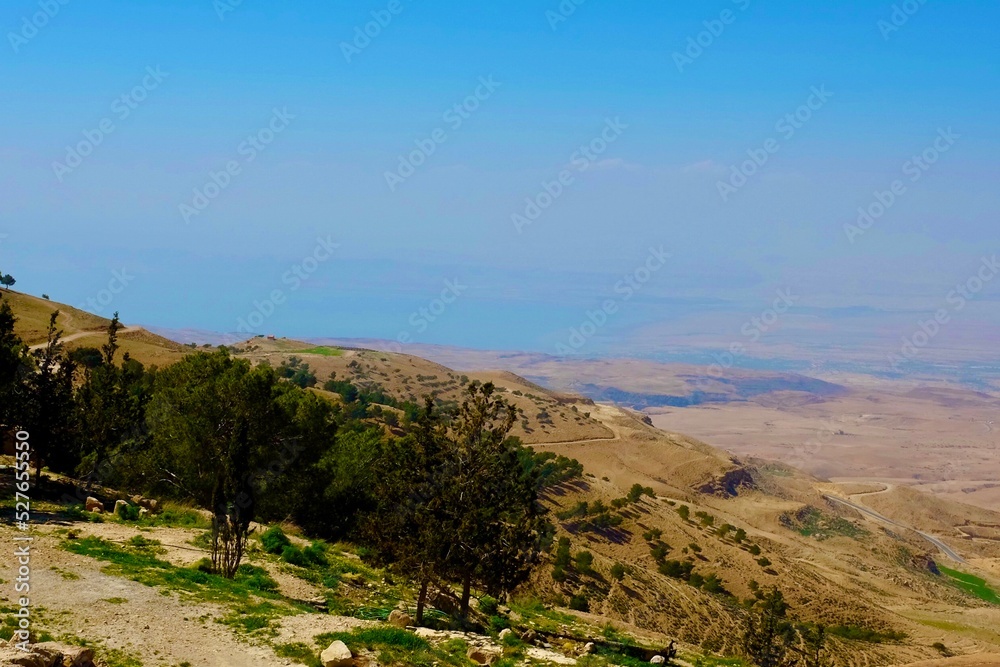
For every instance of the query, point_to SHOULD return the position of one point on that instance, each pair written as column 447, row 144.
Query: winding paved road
column 942, row 547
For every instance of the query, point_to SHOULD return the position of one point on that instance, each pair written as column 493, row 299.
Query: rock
column 143, row 511
column 529, row 636
column 657, row 660
column 72, row 656
column 506, row 632
column 336, row 655
column 120, row 505
column 588, row 648
column 94, row 505
column 400, row 619
column 481, row 656
column 10, row 657
column 149, row 503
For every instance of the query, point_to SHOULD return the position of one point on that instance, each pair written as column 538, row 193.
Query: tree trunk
column 421, row 602
column 466, row 594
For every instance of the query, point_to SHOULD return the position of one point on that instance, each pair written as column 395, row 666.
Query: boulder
column 336, row 655
column 149, row 503
column 588, row 648
column 481, row 656
column 78, row 656
column 94, row 505
column 400, row 619
column 72, row 656
column 506, row 632
column 120, row 505
column 12, row 657
column 143, row 511
column 657, row 660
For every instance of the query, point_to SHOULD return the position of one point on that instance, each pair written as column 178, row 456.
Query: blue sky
column 346, row 124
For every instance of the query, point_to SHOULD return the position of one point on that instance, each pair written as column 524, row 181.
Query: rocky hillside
column 660, row 539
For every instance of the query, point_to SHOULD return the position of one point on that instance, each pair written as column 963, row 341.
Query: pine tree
column 768, row 634
column 14, row 364
column 110, row 408
column 48, row 411
column 496, row 503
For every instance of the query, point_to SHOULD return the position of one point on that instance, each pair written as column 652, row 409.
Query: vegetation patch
column 137, row 560
column 397, row 647
column 971, row 584
column 812, row 522
column 322, row 350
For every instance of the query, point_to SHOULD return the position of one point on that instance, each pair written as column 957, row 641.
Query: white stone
column 336, row 655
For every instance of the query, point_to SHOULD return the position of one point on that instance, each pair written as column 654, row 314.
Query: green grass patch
column 397, row 647
column 299, row 652
column 138, row 560
column 254, row 618
column 394, row 646
column 322, row 350
column 971, row 584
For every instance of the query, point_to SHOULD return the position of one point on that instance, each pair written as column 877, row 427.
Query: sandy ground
column 942, row 442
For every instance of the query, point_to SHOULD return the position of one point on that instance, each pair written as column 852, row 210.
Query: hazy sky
column 213, row 150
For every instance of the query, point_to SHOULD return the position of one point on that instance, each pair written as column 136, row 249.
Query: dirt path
column 71, row 596
column 83, row 334
column 606, row 423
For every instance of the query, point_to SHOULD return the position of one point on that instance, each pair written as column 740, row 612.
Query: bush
column 488, row 605
column 274, row 540
column 294, row 556
column 315, row 553
column 204, row 565
column 942, row 649
column 585, row 562
column 677, row 569
column 579, row 602
column 562, row 553
column 128, row 512
column 617, row 571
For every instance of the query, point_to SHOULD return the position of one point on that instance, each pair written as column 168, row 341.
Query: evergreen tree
column 495, row 503
column 218, row 429
column 13, row 368
column 110, row 408
column 48, row 411
column 768, row 634
column 814, row 645
column 411, row 528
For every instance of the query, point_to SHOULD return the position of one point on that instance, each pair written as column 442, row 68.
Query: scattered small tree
column 813, row 645
column 768, row 634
